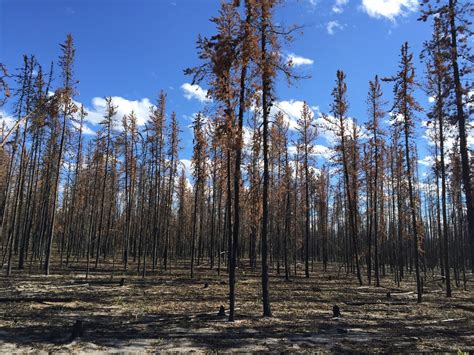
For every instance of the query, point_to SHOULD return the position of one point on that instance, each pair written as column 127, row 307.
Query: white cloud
column 332, row 26
column 323, row 151
column 188, row 172
column 291, row 110
column 6, row 121
column 326, row 129
column 450, row 134
column 247, row 134
column 469, row 99
column 394, row 118
column 195, row 92
column 338, row 6
column 85, row 128
column 96, row 112
column 187, row 165
column 431, row 99
column 389, row 9
column 318, row 151
column 427, row 161
column 297, row 60
column 124, row 107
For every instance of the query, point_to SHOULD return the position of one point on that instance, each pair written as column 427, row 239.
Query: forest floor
column 170, row 312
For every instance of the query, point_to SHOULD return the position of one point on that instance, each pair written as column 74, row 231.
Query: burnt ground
column 170, row 312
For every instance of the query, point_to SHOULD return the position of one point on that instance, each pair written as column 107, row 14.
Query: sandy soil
column 169, row 312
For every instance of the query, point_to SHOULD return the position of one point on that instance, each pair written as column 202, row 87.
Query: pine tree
column 347, row 151
column 438, row 86
column 67, row 107
column 306, row 137
column 455, row 16
column 404, row 115
column 376, row 114
column 199, row 173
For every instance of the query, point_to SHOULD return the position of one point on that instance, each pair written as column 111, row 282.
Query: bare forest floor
column 170, row 312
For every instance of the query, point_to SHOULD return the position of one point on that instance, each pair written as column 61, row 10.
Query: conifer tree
column 346, row 147
column 455, row 16
column 67, row 108
column 376, row 114
column 199, row 174
column 306, row 136
column 404, row 110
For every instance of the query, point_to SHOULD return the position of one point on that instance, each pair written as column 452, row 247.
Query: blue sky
column 133, row 49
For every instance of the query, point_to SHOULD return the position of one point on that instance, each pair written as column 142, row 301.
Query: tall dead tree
column 456, row 17
column 438, row 85
column 306, row 136
column 199, row 173
column 376, row 114
column 403, row 111
column 346, row 146
column 67, row 108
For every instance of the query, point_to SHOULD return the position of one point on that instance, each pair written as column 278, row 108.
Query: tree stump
column 122, row 281
column 77, row 330
column 221, row 313
column 336, row 312
column 206, row 285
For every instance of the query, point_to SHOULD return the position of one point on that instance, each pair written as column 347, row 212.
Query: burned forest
column 234, row 228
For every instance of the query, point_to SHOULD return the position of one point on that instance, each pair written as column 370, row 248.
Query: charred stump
column 77, row 330
column 221, row 313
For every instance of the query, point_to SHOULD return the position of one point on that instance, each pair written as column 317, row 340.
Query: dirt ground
column 170, row 312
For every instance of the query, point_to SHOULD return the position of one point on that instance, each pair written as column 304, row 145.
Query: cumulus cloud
column 6, row 122
column 96, row 112
column 331, row 27
column 326, row 128
column 450, row 134
column 186, row 164
column 291, row 110
column 296, row 60
column 389, row 9
column 323, row 151
column 469, row 99
column 338, row 6
column 195, row 92
column 427, row 161
column 247, row 134
column 319, row 150
column 85, row 128
column 141, row 107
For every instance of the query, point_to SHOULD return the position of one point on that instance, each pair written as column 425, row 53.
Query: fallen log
column 71, row 286
column 362, row 303
column 452, row 320
column 35, row 299
column 120, row 282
